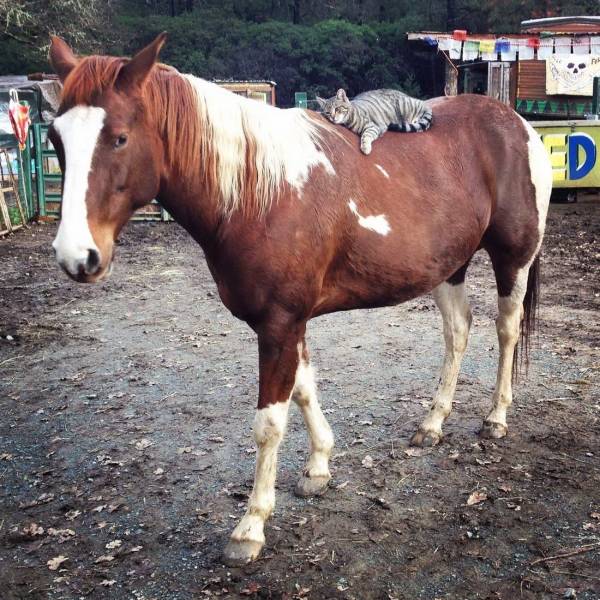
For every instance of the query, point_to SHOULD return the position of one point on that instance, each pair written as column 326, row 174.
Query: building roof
column 580, row 24
column 245, row 81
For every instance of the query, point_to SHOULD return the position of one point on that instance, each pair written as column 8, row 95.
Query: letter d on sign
column 587, row 144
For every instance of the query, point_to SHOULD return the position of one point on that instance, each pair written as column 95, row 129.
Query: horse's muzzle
column 86, row 268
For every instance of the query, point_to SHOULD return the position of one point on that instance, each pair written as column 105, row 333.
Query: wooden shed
column 545, row 71
column 261, row 90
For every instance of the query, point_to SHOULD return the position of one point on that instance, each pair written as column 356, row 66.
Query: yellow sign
column 573, row 151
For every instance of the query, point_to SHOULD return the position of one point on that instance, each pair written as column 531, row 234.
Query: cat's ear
column 321, row 102
column 341, row 95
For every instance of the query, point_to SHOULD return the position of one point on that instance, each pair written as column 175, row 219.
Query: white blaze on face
column 79, row 129
column 379, row 223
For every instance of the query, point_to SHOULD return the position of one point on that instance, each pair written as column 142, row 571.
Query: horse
column 295, row 223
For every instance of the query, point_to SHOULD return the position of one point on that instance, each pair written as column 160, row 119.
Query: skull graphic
column 575, row 68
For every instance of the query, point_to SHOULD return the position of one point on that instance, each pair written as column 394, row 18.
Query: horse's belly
column 388, row 271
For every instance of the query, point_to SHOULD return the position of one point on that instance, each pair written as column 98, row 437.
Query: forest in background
column 307, row 45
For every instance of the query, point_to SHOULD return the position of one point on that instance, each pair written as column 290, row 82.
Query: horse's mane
column 239, row 150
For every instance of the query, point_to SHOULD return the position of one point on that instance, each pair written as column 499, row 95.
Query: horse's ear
column 61, row 57
column 135, row 72
column 341, row 95
column 321, row 101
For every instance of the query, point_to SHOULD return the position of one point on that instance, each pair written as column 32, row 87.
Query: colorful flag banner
column 471, row 50
column 444, row 44
column 455, row 49
column 546, row 48
column 502, row 45
column 460, row 35
column 581, row 44
column 572, row 74
column 526, row 52
column 562, row 45
column 488, row 50
column 509, row 51
column 595, row 44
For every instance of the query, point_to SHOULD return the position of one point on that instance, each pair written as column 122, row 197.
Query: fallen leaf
column 99, row 508
column 476, row 497
column 105, row 558
column 62, row 534
column 159, row 471
column 33, row 529
column 415, row 451
column 251, row 589
column 114, row 544
column 108, row 582
column 72, row 514
column 143, row 443
column 367, row 462
column 341, row 486
column 184, row 450
column 55, row 562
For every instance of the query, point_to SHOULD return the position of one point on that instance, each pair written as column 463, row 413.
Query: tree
column 27, row 25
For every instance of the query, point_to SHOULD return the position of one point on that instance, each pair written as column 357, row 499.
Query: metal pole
column 596, row 96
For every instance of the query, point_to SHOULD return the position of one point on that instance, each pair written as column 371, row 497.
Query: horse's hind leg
column 451, row 299
column 508, row 326
column 315, row 476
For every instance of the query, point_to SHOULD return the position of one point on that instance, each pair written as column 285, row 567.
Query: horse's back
column 421, row 204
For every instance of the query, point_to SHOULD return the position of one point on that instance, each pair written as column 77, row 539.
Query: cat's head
column 337, row 108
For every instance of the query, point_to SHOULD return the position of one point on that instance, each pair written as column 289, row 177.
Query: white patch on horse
column 379, row 223
column 541, row 177
column 79, row 129
column 269, row 428
column 319, row 431
column 286, row 143
column 385, row 173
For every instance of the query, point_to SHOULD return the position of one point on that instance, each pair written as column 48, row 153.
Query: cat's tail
column 423, row 123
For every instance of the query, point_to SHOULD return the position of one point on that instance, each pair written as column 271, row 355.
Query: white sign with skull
column 572, row 74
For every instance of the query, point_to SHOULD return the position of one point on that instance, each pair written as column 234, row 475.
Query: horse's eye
column 121, row 141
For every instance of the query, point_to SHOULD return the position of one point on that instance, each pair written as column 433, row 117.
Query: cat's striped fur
column 371, row 114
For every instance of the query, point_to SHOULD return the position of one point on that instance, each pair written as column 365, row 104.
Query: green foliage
column 303, row 45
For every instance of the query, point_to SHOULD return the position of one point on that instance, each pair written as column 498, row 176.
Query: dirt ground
column 125, row 442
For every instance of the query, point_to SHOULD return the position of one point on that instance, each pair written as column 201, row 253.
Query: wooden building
column 544, row 72
column 261, row 90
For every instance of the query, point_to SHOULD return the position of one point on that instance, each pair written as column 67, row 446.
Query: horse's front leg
column 278, row 362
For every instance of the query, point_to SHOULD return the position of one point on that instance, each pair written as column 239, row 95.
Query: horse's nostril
column 93, row 261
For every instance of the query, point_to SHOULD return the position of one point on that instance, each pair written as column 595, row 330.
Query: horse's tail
column 529, row 321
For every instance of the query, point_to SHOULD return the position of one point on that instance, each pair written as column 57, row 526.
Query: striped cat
column 371, row 114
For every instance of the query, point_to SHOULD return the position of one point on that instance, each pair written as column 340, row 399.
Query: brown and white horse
column 295, row 222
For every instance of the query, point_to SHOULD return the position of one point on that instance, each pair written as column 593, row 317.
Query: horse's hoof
column 493, row 430
column 312, row 486
column 241, row 552
column 425, row 439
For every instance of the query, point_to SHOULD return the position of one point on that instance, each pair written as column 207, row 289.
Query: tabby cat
column 371, row 114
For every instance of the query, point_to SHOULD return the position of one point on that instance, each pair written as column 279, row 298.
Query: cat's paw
column 365, row 148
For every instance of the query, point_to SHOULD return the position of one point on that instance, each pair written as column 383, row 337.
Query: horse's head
column 110, row 155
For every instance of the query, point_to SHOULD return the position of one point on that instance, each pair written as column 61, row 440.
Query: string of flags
column 459, row 45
